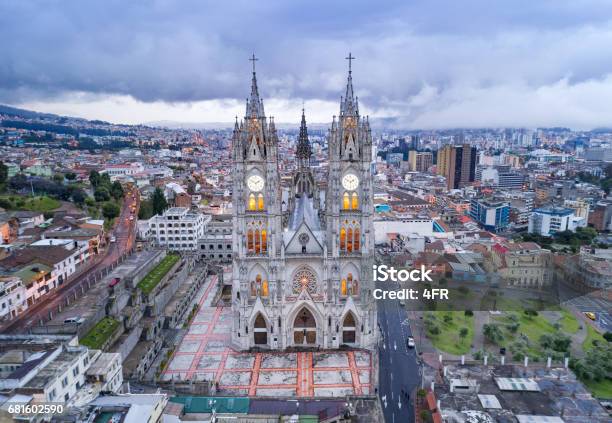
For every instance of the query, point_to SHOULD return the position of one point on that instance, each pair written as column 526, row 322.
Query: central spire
column 303, row 149
column 348, row 105
column 254, row 107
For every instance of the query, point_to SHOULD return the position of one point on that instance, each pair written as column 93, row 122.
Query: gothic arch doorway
column 260, row 330
column 349, row 332
column 304, row 328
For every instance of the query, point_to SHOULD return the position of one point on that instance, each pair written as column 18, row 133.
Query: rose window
column 304, row 279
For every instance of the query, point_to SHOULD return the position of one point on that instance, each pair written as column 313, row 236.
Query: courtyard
column 204, row 354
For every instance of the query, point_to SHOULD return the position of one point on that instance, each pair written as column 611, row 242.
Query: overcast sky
column 430, row 63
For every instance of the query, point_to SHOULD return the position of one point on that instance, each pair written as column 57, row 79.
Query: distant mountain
column 28, row 114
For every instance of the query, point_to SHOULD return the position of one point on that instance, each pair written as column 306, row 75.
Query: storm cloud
column 430, row 63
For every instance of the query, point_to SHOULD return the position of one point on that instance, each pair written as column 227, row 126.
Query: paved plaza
column 204, row 354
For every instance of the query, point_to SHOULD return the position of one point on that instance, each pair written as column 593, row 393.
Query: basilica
column 302, row 254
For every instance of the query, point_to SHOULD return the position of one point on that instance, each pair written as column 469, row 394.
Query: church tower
column 305, row 281
column 256, row 209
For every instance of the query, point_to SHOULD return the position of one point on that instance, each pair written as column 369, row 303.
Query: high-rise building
column 303, row 277
column 457, row 163
column 420, row 161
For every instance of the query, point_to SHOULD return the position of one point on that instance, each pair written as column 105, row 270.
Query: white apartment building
column 105, row 373
column 13, row 297
column 547, row 221
column 128, row 169
column 54, row 368
column 178, row 228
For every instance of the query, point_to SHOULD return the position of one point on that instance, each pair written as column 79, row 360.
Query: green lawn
column 592, row 335
column 533, row 327
column 40, row 203
column 568, row 322
column 149, row 282
column 449, row 340
column 100, row 333
column 601, row 389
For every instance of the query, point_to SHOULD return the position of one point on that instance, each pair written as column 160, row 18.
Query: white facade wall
column 404, row 227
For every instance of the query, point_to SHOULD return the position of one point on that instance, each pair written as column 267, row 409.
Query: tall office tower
column 457, row 163
column 303, row 278
column 419, row 161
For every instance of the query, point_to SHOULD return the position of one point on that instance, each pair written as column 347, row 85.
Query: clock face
column 350, row 182
column 255, row 183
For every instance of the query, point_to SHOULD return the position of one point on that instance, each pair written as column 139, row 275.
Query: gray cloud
column 418, row 59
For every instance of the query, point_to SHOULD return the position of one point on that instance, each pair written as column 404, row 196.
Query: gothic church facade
column 302, row 269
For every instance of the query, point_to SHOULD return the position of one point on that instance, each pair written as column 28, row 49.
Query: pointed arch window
column 260, row 201
column 354, row 201
column 346, row 203
column 257, row 238
column 259, row 287
column 350, row 240
column 343, row 288
column 252, row 204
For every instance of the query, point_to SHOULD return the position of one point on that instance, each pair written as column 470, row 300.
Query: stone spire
column 303, row 150
column 348, row 104
column 254, row 108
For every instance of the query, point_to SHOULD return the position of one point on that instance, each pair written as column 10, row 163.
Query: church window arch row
column 350, row 236
column 259, row 287
column 256, row 202
column 350, row 200
column 257, row 238
column 349, row 285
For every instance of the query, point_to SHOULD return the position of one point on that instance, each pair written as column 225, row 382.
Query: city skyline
column 424, row 66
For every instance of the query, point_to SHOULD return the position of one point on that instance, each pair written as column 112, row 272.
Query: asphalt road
column 125, row 235
column 600, row 307
column 398, row 365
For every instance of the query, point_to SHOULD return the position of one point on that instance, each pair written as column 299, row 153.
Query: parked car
column 114, row 282
column 590, row 315
column 74, row 320
column 410, row 342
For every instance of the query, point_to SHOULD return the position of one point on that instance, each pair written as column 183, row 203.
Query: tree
column 94, row 178
column 58, row 178
column 493, row 333
column 434, row 330
column 159, row 201
column 3, row 173
column 608, row 336
column 463, row 332
column 71, row 176
column 110, row 210
column 447, row 318
column 468, row 312
column 116, row 190
column 146, row 210
column 102, row 194
column 79, row 196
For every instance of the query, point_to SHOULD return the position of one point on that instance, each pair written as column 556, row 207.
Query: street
column 125, row 236
column 398, row 365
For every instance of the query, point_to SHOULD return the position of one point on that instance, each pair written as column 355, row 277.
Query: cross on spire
column 254, row 59
column 350, row 58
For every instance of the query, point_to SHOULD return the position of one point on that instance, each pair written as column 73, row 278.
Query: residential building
column 13, row 297
column 178, row 228
column 601, row 216
column 580, row 207
column 547, row 221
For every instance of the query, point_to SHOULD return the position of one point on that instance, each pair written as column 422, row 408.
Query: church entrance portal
column 304, row 329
